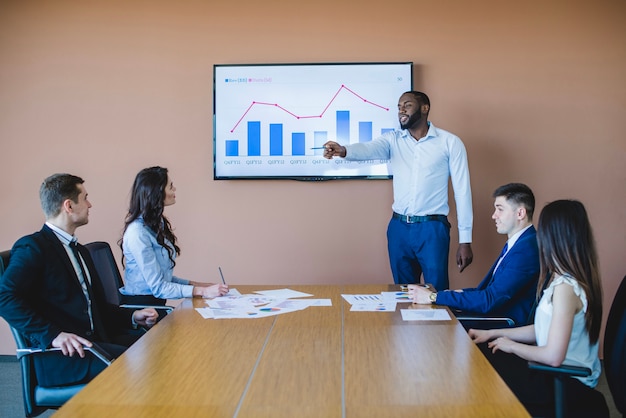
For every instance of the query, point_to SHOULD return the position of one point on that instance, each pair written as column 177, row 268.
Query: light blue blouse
column 148, row 269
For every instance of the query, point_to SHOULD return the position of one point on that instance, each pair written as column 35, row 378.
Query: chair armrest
column 506, row 321
column 98, row 352
column 562, row 370
column 166, row 308
column 485, row 322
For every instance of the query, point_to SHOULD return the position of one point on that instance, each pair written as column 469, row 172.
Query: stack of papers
column 387, row 301
column 262, row 304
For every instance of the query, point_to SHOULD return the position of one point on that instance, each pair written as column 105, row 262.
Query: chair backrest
column 4, row 260
column 106, row 268
column 615, row 348
column 29, row 378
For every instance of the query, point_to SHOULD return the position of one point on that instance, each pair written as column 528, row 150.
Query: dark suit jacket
column 510, row 291
column 40, row 296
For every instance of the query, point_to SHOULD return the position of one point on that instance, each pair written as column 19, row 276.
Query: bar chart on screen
column 273, row 120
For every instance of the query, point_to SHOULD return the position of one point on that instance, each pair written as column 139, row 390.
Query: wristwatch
column 433, row 297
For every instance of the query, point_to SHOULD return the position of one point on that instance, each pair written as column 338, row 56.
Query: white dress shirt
column 421, row 170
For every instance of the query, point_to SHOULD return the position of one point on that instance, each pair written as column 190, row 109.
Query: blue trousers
column 419, row 248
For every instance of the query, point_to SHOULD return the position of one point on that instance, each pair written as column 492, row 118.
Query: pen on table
column 221, row 275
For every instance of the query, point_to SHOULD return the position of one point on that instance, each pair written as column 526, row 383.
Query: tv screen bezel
column 297, row 177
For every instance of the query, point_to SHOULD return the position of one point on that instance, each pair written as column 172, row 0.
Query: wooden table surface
column 318, row 362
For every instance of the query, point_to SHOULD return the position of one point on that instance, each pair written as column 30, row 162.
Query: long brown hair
column 566, row 246
column 147, row 199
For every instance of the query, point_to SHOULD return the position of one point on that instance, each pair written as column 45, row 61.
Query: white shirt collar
column 65, row 237
column 511, row 241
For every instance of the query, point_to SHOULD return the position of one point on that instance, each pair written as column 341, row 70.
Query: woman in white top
column 568, row 317
column 150, row 247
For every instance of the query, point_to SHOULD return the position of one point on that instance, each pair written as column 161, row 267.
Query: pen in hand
column 221, row 275
column 318, row 148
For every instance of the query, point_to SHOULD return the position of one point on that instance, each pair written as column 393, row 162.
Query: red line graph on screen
column 343, row 87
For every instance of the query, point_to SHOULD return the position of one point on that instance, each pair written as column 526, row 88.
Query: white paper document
column 374, row 307
column 254, row 312
column 425, row 315
column 233, row 292
column 207, row 313
column 398, row 297
column 258, row 305
column 299, row 304
column 362, row 299
column 283, row 293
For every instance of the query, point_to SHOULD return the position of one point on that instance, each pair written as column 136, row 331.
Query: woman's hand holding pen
column 210, row 291
column 218, row 290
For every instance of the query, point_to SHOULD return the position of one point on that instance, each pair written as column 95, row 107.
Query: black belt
column 417, row 219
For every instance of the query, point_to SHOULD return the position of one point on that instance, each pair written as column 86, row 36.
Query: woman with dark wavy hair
column 150, row 247
column 567, row 321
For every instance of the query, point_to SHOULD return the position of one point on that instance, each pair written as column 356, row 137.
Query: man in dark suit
column 509, row 288
column 51, row 293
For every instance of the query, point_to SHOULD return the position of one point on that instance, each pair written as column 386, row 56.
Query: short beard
column 414, row 120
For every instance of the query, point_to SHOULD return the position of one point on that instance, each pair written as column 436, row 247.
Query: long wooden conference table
column 317, row 362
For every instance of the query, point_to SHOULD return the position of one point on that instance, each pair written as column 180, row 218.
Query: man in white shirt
column 422, row 159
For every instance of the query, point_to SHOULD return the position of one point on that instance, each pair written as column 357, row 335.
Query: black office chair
column 615, row 348
column 38, row 399
column 614, row 367
column 111, row 278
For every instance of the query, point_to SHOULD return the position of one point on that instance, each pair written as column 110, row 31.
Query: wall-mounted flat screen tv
column 270, row 120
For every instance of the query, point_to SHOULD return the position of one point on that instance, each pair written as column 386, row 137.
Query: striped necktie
column 82, row 277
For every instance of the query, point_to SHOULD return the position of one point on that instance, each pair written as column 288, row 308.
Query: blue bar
column 232, row 148
column 319, row 139
column 343, row 126
column 276, row 139
column 365, row 131
column 385, row 130
column 254, row 139
column 297, row 143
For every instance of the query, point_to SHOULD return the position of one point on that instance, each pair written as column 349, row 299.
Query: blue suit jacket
column 510, row 292
column 40, row 296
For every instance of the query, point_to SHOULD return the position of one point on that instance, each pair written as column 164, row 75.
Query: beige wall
column 104, row 88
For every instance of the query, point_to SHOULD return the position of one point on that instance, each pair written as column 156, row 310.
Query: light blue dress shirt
column 421, row 170
column 148, row 269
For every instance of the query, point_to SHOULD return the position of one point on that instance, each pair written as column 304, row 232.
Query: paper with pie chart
column 264, row 304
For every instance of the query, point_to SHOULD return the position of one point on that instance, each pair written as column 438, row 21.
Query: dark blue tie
column 506, row 247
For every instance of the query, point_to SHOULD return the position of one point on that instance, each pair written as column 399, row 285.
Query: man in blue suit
column 509, row 288
column 52, row 295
